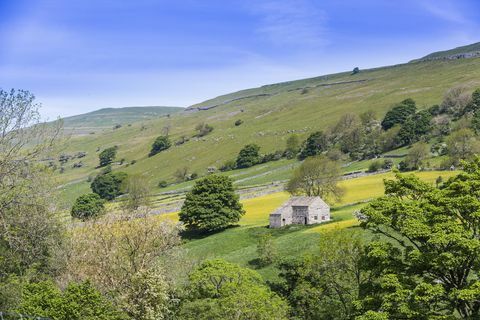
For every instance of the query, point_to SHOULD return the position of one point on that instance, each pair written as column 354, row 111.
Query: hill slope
column 270, row 114
column 471, row 50
column 108, row 117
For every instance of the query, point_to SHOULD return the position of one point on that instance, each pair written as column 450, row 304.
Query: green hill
column 270, row 114
column 109, row 117
column 472, row 50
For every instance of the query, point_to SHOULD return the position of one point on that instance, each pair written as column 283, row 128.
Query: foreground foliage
column 221, row 290
column 431, row 268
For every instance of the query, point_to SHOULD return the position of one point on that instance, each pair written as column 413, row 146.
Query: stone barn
column 300, row 210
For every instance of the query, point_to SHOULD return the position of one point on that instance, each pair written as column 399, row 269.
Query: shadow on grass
column 195, row 234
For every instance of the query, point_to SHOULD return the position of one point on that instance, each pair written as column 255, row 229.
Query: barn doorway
column 306, row 220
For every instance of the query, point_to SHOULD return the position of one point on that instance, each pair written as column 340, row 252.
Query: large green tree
column 221, row 290
column 327, row 283
column 430, row 268
column 211, row 205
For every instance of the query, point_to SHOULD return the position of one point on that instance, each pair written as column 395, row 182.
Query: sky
column 81, row 55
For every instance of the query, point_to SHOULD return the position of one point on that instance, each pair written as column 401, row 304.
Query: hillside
column 270, row 114
column 468, row 51
column 109, row 117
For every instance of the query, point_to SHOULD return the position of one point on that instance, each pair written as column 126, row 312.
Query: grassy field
column 238, row 244
column 268, row 121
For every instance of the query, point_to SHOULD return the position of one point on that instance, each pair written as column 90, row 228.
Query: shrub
column 108, row 186
column 228, row 165
column 160, row 144
column 163, row 184
column 248, row 156
column 292, row 146
column 375, row 166
column 238, row 122
column 87, row 206
column 107, row 156
column 203, row 129
column 211, row 205
column 266, row 249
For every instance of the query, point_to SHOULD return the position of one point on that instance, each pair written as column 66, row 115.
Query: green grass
column 268, row 121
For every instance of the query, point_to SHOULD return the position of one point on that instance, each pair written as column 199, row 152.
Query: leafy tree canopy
column 432, row 266
column 108, row 186
column 223, row 290
column 87, row 206
column 248, row 156
column 107, row 156
column 399, row 113
column 315, row 144
column 160, row 144
column 211, row 204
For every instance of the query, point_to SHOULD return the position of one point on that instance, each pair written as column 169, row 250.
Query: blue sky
column 81, row 55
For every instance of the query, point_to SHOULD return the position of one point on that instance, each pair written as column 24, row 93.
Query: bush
column 87, row 206
column 108, row 186
column 160, row 144
column 107, row 156
column 228, row 165
column 203, row 129
column 248, row 156
column 375, row 166
column 387, row 164
column 163, row 184
column 211, row 205
column 266, row 249
column 238, row 122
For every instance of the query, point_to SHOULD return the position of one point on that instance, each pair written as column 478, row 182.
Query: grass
column 268, row 121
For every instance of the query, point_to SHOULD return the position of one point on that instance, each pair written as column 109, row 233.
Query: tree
column 107, row 156
column 87, row 206
column 315, row 144
column 203, row 129
column 355, row 70
column 461, row 144
column 222, row 290
column 137, row 191
column 416, row 155
column 456, row 101
column 399, row 113
column 430, row 266
column 316, row 176
column 248, row 156
column 148, row 296
column 327, row 283
column 266, row 249
column 110, row 185
column 292, row 147
column 31, row 231
column 414, row 127
column 77, row 302
column 111, row 250
column 211, row 205
column 160, row 144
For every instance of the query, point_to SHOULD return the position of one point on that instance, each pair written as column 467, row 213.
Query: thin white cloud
column 446, row 9
column 291, row 22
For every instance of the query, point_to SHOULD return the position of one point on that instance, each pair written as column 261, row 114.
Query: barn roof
column 303, row 201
